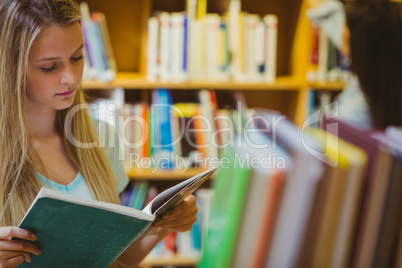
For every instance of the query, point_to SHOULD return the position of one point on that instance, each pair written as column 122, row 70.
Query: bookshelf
column 127, row 23
column 327, row 86
column 139, row 81
column 175, row 261
column 158, row 175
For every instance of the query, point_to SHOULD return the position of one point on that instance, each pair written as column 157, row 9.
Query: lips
column 66, row 93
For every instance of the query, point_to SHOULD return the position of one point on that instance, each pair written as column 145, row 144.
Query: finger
column 10, row 263
column 189, row 201
column 5, row 255
column 19, row 245
column 172, row 224
column 191, row 198
column 178, row 217
column 184, row 218
column 177, row 227
column 186, row 207
column 11, row 231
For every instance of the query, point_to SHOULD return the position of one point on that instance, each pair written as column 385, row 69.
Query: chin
column 65, row 104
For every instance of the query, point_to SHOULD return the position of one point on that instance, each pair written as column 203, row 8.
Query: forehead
column 57, row 41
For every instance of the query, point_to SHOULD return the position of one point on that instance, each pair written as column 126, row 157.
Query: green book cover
column 73, row 235
column 74, row 232
column 230, row 187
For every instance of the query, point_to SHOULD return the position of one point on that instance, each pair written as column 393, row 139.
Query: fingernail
column 34, row 237
column 38, row 252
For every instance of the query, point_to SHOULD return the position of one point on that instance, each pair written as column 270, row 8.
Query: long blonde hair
column 20, row 23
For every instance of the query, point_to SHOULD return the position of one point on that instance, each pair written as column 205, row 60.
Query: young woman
column 41, row 66
column 372, row 38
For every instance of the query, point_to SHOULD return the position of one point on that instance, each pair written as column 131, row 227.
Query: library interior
column 294, row 102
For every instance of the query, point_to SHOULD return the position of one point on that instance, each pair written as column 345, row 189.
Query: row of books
column 326, row 63
column 186, row 244
column 308, row 198
column 320, row 101
column 99, row 58
column 137, row 195
column 196, row 45
column 172, row 131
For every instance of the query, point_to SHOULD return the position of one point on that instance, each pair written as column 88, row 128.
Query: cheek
column 79, row 70
column 39, row 84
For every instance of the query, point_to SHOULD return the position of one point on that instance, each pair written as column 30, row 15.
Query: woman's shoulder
column 352, row 106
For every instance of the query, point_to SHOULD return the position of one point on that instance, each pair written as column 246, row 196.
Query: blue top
column 78, row 187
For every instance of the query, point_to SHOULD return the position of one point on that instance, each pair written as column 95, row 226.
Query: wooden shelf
column 396, row 1
column 339, row 85
column 149, row 174
column 138, row 81
column 173, row 261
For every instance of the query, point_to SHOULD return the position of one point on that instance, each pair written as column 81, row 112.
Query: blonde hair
column 21, row 21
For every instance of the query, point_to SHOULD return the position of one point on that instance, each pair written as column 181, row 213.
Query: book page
column 174, row 195
column 131, row 212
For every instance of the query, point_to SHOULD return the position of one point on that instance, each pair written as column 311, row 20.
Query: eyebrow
column 57, row 58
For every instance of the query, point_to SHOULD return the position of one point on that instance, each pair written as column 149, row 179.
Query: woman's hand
column 15, row 252
column 181, row 218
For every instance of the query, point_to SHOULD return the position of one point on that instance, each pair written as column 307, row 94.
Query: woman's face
column 55, row 67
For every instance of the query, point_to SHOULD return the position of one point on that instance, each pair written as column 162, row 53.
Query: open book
column 74, row 232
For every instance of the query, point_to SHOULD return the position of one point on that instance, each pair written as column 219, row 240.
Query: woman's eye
column 46, row 70
column 77, row 59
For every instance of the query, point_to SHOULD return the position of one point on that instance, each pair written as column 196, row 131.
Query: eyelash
column 47, row 70
column 78, row 59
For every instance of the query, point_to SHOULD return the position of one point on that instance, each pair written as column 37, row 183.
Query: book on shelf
column 339, row 218
column 230, row 187
column 271, row 36
column 91, row 233
column 237, row 45
column 185, row 244
column 325, row 63
column 180, row 245
column 388, row 231
column 262, row 200
column 301, row 185
column 180, row 131
column 152, row 49
column 161, row 124
column 99, row 61
column 336, row 204
column 319, row 102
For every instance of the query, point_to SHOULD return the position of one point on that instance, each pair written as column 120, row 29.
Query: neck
column 42, row 123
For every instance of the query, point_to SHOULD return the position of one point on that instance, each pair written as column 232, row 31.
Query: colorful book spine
column 101, row 63
column 200, row 45
column 271, row 22
column 152, row 49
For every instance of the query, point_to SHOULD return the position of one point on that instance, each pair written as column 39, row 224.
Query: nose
column 68, row 76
